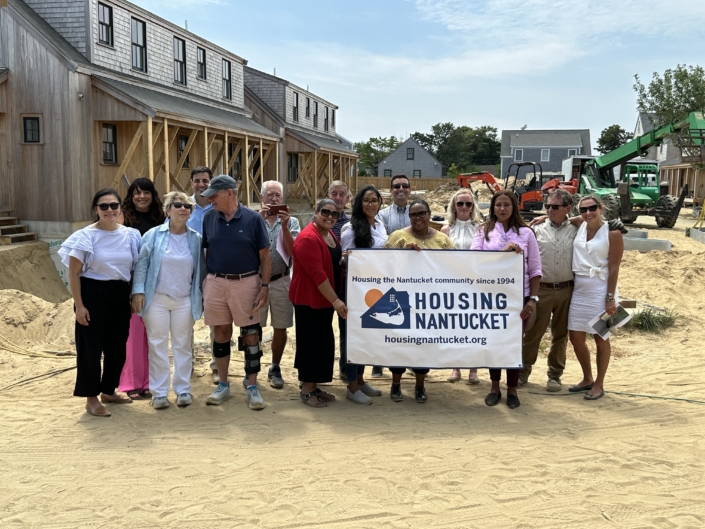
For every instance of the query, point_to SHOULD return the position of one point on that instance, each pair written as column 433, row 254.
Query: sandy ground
column 557, row 461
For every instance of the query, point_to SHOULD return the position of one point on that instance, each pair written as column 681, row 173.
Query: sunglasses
column 112, row 205
column 372, row 202
column 592, row 208
column 179, row 205
column 554, row 206
column 463, row 204
column 329, row 213
column 400, row 186
column 418, row 215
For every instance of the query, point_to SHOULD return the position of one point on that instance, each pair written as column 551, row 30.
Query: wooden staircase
column 11, row 231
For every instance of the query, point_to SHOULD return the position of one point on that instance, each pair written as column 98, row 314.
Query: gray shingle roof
column 172, row 104
column 545, row 138
column 646, row 123
column 328, row 144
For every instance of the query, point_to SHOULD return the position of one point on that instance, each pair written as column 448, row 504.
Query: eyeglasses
column 329, row 213
column 589, row 208
column 554, row 206
column 179, row 205
column 418, row 215
column 400, row 186
column 112, row 205
column 463, row 204
column 370, row 202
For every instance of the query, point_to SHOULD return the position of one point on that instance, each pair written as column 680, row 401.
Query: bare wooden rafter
column 127, row 159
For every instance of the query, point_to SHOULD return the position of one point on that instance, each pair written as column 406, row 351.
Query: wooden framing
column 165, row 154
column 127, row 159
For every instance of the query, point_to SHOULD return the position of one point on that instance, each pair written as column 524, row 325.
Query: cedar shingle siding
column 398, row 163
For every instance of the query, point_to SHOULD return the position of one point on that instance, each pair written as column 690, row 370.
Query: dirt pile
column 28, row 320
column 28, row 267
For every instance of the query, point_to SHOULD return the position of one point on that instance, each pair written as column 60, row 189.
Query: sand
column 557, row 461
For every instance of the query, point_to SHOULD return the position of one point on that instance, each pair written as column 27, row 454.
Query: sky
column 395, row 67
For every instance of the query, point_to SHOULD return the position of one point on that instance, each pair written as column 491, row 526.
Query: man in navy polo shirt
column 237, row 254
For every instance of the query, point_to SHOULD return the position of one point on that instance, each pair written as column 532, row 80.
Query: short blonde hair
column 474, row 214
column 175, row 196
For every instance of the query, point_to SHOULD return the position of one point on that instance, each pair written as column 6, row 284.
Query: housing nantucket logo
column 390, row 310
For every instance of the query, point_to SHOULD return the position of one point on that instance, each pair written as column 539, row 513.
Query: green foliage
column 612, row 137
column 673, row 96
column 465, row 147
column 654, row 321
column 372, row 152
column 453, row 171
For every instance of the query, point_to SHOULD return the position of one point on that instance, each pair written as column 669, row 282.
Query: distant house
column 547, row 147
column 411, row 160
column 666, row 152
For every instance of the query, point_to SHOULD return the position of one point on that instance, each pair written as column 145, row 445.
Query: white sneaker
column 184, row 399
column 221, row 394
column 254, row 399
column 160, row 403
column 370, row 391
column 358, row 397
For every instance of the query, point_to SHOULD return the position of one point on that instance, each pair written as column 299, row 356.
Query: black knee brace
column 221, row 350
column 252, row 352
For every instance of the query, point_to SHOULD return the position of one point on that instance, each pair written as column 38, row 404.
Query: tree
column 612, row 137
column 465, row 147
column 372, row 152
column 673, row 96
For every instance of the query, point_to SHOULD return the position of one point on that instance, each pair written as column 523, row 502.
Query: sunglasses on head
column 112, row 205
column 179, row 205
column 592, row 208
column 329, row 213
column 554, row 206
column 400, row 186
column 463, row 204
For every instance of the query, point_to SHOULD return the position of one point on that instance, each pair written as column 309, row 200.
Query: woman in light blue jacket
column 166, row 292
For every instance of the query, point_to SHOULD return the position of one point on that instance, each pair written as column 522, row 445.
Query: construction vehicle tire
column 667, row 204
column 574, row 209
column 611, row 203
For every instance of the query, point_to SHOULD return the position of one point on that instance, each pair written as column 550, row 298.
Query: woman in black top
column 142, row 210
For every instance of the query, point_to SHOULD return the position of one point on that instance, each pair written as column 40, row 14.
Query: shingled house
column 547, row 147
column 411, row 160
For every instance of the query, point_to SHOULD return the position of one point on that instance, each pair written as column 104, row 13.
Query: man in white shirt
column 201, row 176
column 396, row 216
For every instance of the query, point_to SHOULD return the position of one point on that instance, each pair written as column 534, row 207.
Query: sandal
column 313, row 400
column 146, row 395
column 100, row 411
column 324, row 396
column 116, row 398
column 454, row 376
column 134, row 394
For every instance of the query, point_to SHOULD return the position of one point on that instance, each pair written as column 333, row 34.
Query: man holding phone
column 279, row 224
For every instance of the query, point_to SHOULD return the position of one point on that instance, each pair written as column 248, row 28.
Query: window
column 296, row 106
column 292, row 163
column 545, row 155
column 410, row 153
column 572, row 152
column 109, row 143
column 332, row 119
column 387, row 172
column 183, row 140
column 308, row 107
column 417, row 173
column 179, row 61
column 201, row 63
column 31, row 130
column 227, row 89
column 139, row 45
column 325, row 119
column 518, row 155
column 235, row 169
column 105, row 24
column 315, row 114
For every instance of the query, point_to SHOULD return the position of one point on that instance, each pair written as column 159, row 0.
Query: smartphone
column 274, row 210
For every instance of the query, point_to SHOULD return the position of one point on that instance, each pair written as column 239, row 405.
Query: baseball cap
column 222, row 181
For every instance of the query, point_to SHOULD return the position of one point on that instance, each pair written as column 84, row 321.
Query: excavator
column 530, row 196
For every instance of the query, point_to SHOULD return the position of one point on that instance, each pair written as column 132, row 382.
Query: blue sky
column 399, row 66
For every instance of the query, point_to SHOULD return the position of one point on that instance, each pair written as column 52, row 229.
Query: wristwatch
column 265, row 285
column 535, row 298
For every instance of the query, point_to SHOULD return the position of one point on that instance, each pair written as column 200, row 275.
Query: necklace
column 423, row 239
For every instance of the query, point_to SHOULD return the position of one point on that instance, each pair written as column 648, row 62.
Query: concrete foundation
column 698, row 234
column 646, row 245
column 636, row 234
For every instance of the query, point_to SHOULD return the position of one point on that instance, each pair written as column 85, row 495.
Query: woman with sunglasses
column 418, row 236
column 597, row 254
column 100, row 258
column 166, row 291
column 141, row 210
column 505, row 230
column 315, row 289
column 363, row 231
column 461, row 228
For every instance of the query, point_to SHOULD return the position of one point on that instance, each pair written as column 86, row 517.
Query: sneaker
column 554, row 384
column 160, row 403
column 370, row 391
column 377, row 371
column 274, row 375
column 215, row 377
column 358, row 397
column 184, row 399
column 254, row 399
column 395, row 393
column 221, row 394
column 420, row 394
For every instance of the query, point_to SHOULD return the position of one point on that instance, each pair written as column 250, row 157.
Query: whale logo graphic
column 390, row 310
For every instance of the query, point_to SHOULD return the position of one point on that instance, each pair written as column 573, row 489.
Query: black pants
column 315, row 344
column 400, row 371
column 108, row 305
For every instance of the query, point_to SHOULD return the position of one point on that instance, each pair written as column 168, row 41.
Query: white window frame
column 573, row 151
column 547, row 157
column 518, row 155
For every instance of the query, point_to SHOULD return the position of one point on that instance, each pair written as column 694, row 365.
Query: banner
column 435, row 308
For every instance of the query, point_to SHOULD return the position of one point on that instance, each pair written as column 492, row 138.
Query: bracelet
column 609, row 298
column 265, row 285
column 336, row 301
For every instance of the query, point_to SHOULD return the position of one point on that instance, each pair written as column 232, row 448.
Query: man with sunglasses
column 396, row 216
column 237, row 285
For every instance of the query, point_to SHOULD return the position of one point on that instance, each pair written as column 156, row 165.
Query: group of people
column 145, row 271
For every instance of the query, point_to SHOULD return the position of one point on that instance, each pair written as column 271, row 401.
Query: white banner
column 435, row 308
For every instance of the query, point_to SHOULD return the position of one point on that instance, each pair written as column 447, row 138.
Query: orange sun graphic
column 372, row 297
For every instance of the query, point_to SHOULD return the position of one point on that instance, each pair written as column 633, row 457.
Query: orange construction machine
column 489, row 180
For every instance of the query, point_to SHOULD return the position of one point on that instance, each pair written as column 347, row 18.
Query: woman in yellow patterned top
column 418, row 236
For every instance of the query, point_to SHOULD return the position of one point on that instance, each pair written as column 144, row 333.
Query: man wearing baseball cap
column 237, row 285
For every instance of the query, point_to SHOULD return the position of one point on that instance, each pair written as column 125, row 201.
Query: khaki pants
column 552, row 307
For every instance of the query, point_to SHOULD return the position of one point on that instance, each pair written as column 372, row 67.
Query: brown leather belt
column 279, row 276
column 236, row 277
column 557, row 286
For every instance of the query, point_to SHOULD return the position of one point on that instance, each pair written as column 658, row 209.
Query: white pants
column 163, row 315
